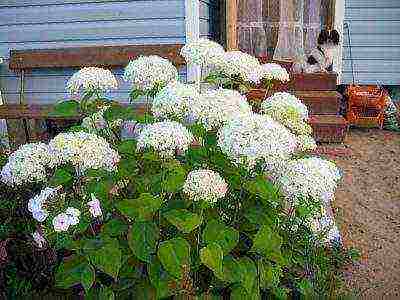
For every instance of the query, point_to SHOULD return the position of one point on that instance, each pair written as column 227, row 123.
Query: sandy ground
column 367, row 209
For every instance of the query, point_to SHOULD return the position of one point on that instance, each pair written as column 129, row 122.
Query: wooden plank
column 231, row 24
column 105, row 56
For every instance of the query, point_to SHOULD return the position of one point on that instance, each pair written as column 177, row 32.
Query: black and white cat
column 320, row 58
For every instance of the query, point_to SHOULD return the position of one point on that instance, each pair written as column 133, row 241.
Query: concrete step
column 329, row 128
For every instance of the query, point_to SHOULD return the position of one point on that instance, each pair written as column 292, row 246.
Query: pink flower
column 94, row 207
column 61, row 222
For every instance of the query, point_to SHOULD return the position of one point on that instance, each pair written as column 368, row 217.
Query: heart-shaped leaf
column 212, row 257
column 183, row 219
column 75, row 271
column 107, row 258
column 217, row 232
column 174, row 255
column 142, row 239
column 142, row 208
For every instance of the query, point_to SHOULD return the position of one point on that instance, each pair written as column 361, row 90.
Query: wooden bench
column 26, row 116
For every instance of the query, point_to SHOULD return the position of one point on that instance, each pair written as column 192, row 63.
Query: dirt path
column 367, row 210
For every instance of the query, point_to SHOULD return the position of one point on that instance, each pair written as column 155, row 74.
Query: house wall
column 375, row 38
column 210, row 19
column 41, row 24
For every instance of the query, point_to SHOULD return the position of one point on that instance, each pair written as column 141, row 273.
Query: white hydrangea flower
column 309, row 177
column 325, row 224
column 91, row 79
column 146, row 72
column 237, row 63
column 255, row 138
column 85, row 151
column 201, row 52
column 217, row 107
column 288, row 110
column 94, row 206
column 166, row 138
column 270, row 72
column 306, row 143
column 36, row 205
column 174, row 101
column 28, row 164
column 205, row 185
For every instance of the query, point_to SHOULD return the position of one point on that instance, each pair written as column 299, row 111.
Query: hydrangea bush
column 186, row 209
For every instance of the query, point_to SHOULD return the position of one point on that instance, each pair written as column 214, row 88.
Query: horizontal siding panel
column 92, row 31
column 364, row 14
column 374, row 27
column 24, row 3
column 372, row 3
column 372, row 40
column 372, row 78
column 379, row 53
column 6, row 47
column 372, row 66
column 137, row 10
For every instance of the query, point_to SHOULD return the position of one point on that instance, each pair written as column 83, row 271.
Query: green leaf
column 107, row 258
column 161, row 280
column 144, row 291
column 225, row 236
column 262, row 188
column 174, row 255
column 100, row 293
column 183, row 219
column 142, row 239
column 127, row 147
column 239, row 293
column 142, row 208
column 61, row 177
column 212, row 257
column 249, row 273
column 174, row 176
column 115, row 227
column 117, row 111
column 69, row 108
column 259, row 216
column 267, row 242
column 134, row 94
column 231, row 270
column 74, row 271
column 269, row 274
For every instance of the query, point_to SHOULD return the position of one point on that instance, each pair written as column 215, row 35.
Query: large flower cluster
column 202, row 52
column 28, row 164
column 288, row 110
column 309, row 177
column 85, row 151
column 37, row 204
column 166, row 138
column 217, row 107
column 255, row 138
column 205, row 185
column 174, row 101
column 146, row 72
column 270, row 72
column 237, row 63
column 91, row 79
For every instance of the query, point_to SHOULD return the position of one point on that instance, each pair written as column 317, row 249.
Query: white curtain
column 289, row 26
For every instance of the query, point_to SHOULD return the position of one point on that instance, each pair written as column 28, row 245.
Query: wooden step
column 320, row 102
column 329, row 128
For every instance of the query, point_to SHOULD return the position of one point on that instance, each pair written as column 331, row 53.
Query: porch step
column 310, row 82
column 329, row 128
column 320, row 102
